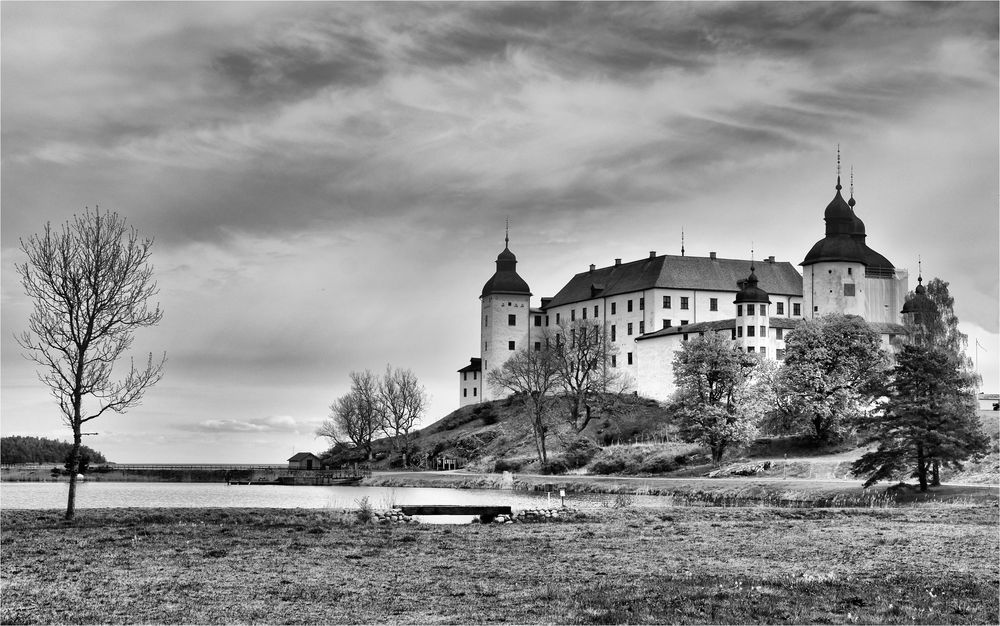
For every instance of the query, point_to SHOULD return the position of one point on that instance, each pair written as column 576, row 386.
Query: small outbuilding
column 304, row 461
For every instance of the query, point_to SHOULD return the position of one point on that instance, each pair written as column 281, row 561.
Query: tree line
column 18, row 449
column 391, row 405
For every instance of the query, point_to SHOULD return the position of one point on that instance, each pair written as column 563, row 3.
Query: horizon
column 328, row 183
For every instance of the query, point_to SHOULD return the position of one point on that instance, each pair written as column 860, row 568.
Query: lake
column 102, row 495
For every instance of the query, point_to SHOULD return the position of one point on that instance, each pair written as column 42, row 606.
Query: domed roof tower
column 749, row 291
column 506, row 279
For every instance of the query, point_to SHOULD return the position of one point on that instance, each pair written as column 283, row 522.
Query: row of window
column 779, row 333
column 713, row 305
column 475, row 375
column 465, row 392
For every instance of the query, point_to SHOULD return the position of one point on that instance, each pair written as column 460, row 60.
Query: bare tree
column 91, row 284
column 403, row 402
column 531, row 375
column 588, row 383
column 355, row 417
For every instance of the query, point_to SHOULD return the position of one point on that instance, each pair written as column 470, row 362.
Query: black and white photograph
column 499, row 312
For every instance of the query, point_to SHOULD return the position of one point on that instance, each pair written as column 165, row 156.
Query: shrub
column 580, row 452
column 364, row 513
column 506, row 465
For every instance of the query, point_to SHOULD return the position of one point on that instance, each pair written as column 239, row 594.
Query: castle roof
column 749, row 291
column 845, row 237
column 920, row 303
column 506, row 279
column 676, row 272
column 475, row 365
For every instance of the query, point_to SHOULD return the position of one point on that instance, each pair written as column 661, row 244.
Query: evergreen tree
column 930, row 415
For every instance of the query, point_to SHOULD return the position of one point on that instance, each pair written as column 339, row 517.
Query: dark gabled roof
column 506, row 280
column 475, row 365
column 698, row 327
column 302, row 456
column 677, row 272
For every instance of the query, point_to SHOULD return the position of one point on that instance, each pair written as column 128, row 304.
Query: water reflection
column 100, row 495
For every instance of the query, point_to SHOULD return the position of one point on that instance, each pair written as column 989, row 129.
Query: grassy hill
column 640, row 440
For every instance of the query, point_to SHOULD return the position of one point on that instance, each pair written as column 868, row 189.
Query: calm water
column 100, row 495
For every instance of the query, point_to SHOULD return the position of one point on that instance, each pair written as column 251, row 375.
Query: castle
column 650, row 306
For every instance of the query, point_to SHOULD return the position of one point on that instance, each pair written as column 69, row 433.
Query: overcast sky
column 327, row 184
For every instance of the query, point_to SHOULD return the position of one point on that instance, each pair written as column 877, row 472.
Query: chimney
column 618, row 261
column 592, row 267
column 711, row 255
column 652, row 254
column 770, row 259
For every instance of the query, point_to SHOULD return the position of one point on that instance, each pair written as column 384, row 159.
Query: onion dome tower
column 505, row 304
column 919, row 312
column 752, row 314
column 841, row 274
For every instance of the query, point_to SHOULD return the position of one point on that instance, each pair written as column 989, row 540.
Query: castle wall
column 497, row 333
column 834, row 287
column 886, row 297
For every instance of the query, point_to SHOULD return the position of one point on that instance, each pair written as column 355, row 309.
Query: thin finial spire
column 506, row 234
column 752, row 269
column 838, row 168
column 682, row 241
column 920, row 271
column 852, row 181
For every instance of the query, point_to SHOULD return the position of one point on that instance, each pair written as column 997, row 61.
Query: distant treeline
column 18, row 449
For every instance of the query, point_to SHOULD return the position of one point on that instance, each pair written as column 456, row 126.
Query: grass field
column 914, row 564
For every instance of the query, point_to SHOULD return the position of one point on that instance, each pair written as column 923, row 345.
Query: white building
column 652, row 305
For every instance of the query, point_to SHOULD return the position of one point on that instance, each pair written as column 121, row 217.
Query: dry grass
column 681, row 565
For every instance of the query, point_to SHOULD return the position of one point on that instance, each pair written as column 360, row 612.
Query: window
column 684, row 303
column 584, row 309
column 629, row 307
column 629, row 329
column 595, row 310
column 739, row 331
column 486, row 346
column 849, row 289
column 614, row 307
column 763, row 331
column 642, row 304
column 510, row 345
column 630, row 358
column 796, row 309
column 684, row 322
column 572, row 315
column 780, row 354
column 763, row 350
column 666, row 323
column 849, row 272
column 751, row 310
column 538, row 320
column 557, row 318
column 779, row 333
column 486, row 321
column 734, row 334
column 750, row 331
column 465, row 393
column 512, row 320
column 750, row 349
column 538, row 346
column 685, row 338
column 613, row 333
column 546, row 320
column 474, row 390
column 666, row 302
column 739, row 310
column 713, row 304
column 465, row 376
column 642, row 327
column 614, row 360
column 781, row 308
column 475, row 375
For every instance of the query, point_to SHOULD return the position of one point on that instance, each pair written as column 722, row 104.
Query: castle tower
column 505, row 316
column 841, row 274
column 918, row 313
column 752, row 315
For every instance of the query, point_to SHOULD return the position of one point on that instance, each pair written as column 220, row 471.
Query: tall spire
column 682, row 241
column 506, row 234
column 752, row 269
column 852, row 202
column 838, row 168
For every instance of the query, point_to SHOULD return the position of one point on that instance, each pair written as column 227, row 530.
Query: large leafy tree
column 930, row 416
column 531, row 376
column 833, row 371
column 588, row 384
column 91, row 284
column 722, row 392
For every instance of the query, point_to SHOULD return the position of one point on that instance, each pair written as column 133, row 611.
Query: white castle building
column 652, row 305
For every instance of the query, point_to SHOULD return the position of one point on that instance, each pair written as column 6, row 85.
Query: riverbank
column 678, row 565
column 727, row 491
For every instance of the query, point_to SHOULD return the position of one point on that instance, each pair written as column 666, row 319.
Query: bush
column 617, row 460
column 364, row 513
column 506, row 465
column 555, row 465
column 580, row 452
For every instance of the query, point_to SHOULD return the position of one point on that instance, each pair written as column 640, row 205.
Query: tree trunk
column 935, row 473
column 921, row 468
column 74, row 465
